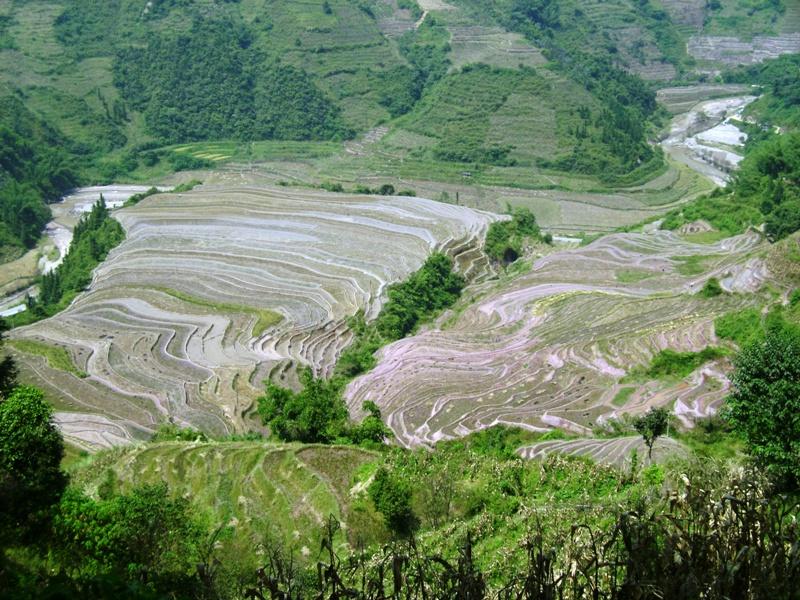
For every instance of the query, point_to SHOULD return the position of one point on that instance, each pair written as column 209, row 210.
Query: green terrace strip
column 623, row 395
column 690, row 265
column 265, row 318
column 669, row 364
column 57, row 357
column 633, row 275
column 183, row 187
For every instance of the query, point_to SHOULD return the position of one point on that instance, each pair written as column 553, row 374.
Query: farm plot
column 250, row 486
column 613, row 451
column 549, row 348
column 492, row 46
column 214, row 290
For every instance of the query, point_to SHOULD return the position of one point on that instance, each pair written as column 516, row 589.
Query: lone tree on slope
column 652, row 426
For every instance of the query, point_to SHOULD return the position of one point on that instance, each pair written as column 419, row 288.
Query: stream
column 706, row 138
column 66, row 214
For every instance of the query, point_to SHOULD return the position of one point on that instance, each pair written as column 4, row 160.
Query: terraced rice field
column 214, row 290
column 549, row 348
column 613, row 451
column 679, row 100
column 252, row 486
column 492, row 46
column 728, row 50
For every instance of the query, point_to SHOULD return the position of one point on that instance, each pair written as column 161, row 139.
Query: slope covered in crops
column 214, row 290
column 551, row 347
column 258, row 489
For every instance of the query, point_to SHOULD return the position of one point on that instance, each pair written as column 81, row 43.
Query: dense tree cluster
column 93, row 238
column 426, row 49
column 765, row 402
column 505, row 239
column 34, row 170
column 211, row 83
column 317, row 414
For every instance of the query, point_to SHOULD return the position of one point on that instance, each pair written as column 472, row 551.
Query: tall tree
column 765, row 403
column 31, row 480
column 652, row 426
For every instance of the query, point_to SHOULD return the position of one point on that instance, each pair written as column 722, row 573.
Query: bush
column 317, row 414
column 765, row 403
column 429, row 290
column 392, row 498
column 711, row 289
column 740, row 327
column 505, row 239
column 31, row 481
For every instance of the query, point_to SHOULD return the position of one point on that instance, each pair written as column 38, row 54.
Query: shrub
column 392, row 498
column 765, row 402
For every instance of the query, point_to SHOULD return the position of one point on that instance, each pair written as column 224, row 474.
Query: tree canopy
column 31, row 449
column 764, row 406
column 211, row 83
column 651, row 426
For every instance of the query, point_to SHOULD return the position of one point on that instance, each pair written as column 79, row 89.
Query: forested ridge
column 209, row 83
column 35, row 169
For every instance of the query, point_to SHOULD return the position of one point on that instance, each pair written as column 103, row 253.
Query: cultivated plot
column 551, row 347
column 214, row 290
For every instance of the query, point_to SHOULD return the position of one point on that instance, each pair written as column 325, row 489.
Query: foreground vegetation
column 468, row 520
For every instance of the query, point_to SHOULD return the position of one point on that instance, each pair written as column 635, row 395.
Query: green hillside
column 35, row 168
column 254, row 486
column 121, row 81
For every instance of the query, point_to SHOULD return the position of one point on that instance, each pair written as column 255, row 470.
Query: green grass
column 265, row 318
column 740, row 327
column 633, row 275
column 712, row 438
column 622, row 396
column 705, row 237
column 691, row 265
column 670, row 365
column 57, row 357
